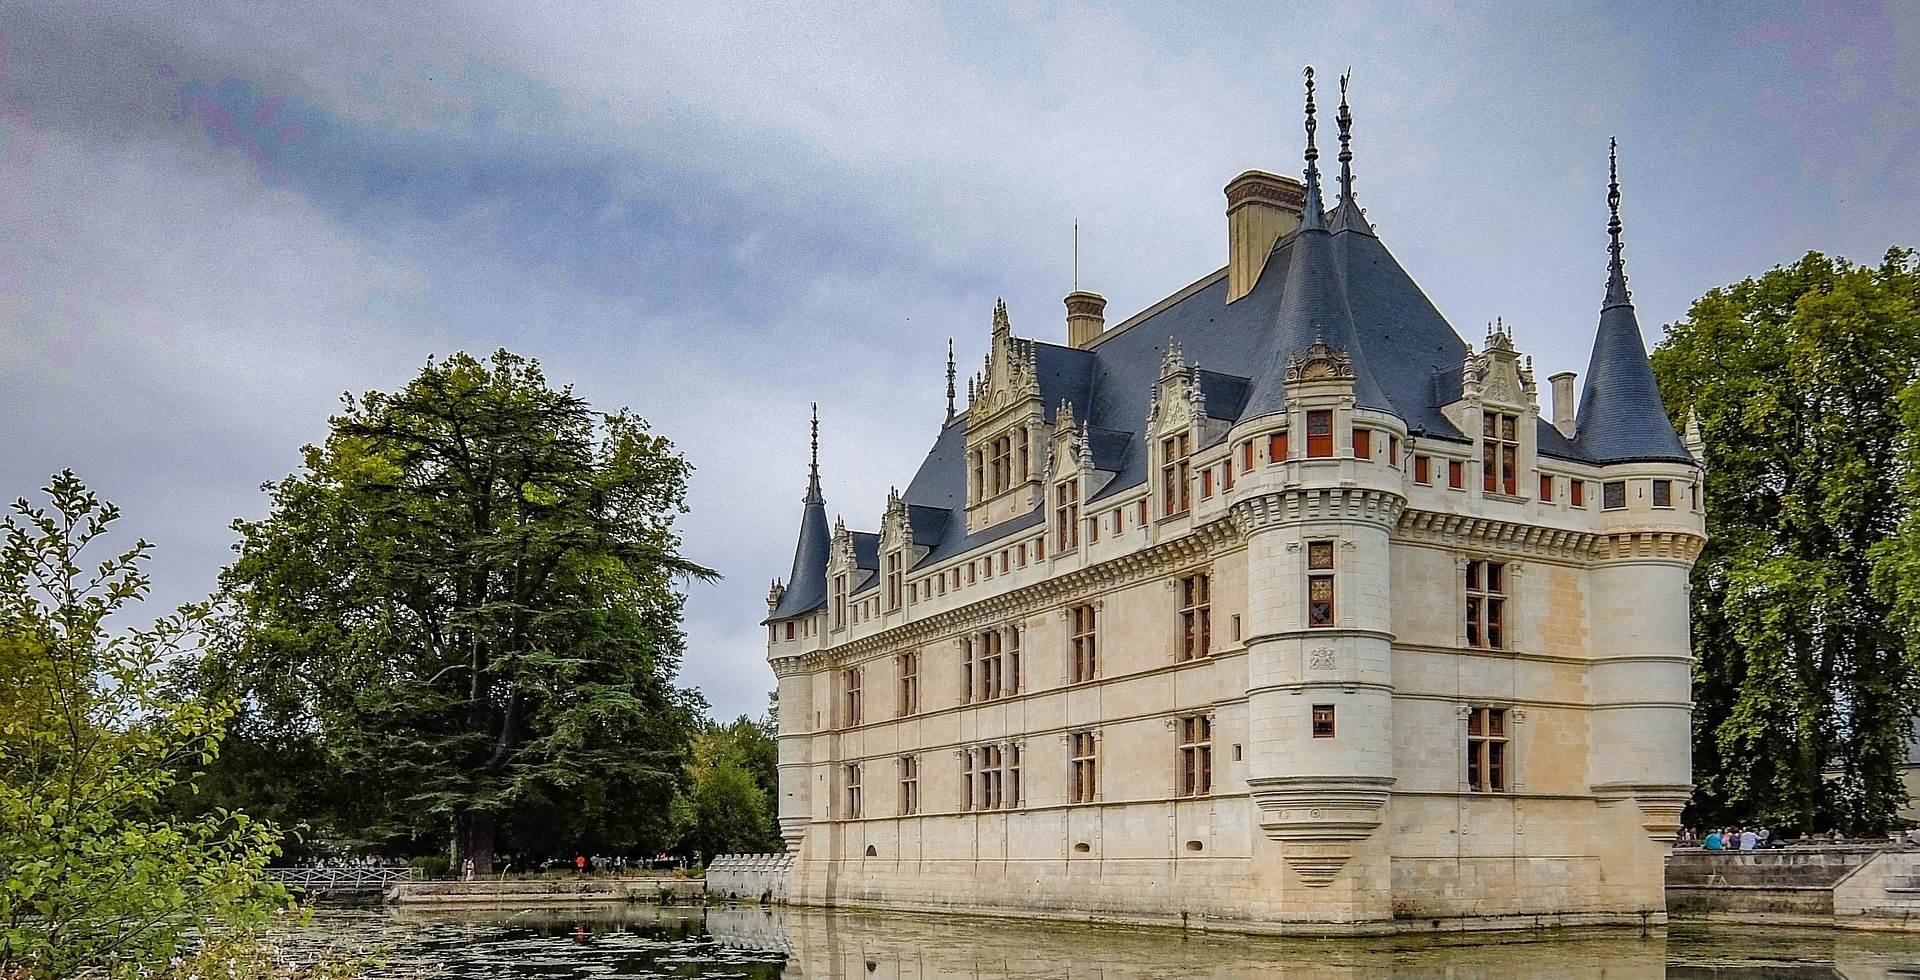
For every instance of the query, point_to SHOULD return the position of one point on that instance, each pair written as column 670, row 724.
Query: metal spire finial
column 1345, row 119
column 813, row 468
column 1312, row 217
column 1616, row 265
column 950, row 376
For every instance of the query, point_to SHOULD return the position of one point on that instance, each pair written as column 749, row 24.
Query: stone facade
column 1293, row 654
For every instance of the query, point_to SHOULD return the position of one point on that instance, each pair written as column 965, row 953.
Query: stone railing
column 750, row 877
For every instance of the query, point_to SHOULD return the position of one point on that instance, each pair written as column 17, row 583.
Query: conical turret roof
column 807, row 583
column 1313, row 306
column 1621, row 417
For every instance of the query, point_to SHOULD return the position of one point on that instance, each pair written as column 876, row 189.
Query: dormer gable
column 1498, row 408
column 1006, row 427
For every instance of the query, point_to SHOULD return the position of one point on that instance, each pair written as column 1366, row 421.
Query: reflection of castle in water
column 823, row 945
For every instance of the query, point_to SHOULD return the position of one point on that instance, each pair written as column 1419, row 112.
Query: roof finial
column 950, row 376
column 1345, row 119
column 1617, row 294
column 1312, row 218
column 813, row 468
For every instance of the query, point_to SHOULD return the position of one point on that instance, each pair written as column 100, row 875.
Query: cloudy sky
column 215, row 218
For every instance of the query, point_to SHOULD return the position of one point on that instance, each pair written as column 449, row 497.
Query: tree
column 91, row 881
column 735, row 778
column 1804, row 678
column 468, row 596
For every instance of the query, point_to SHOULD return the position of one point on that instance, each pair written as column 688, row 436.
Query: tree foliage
column 735, row 779
column 92, row 881
column 1804, row 601
column 468, row 597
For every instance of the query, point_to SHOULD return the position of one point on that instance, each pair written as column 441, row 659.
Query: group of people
column 350, row 861
column 1739, row 839
column 614, row 864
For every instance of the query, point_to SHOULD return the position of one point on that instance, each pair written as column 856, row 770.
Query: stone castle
column 1275, row 607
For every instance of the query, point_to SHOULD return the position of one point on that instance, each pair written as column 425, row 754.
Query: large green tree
column 735, row 779
column 95, row 879
column 1805, row 679
column 469, row 597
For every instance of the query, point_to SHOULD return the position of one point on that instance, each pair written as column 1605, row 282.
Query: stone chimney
column 1563, row 402
column 1086, row 318
column 1261, row 207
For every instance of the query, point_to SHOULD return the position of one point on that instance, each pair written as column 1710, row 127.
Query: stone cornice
column 1317, row 503
column 1201, row 544
column 1569, row 544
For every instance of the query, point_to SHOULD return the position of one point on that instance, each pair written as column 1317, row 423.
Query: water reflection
column 750, row 942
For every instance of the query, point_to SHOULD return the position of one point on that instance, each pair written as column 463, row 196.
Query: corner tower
column 1650, row 530
column 1317, row 518
column 794, row 613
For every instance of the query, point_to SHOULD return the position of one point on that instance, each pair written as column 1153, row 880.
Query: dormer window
column 1500, row 453
column 893, row 581
column 1176, row 474
column 840, row 601
column 1066, row 516
column 1000, row 466
column 1319, row 433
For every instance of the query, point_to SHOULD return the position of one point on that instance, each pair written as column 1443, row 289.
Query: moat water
column 759, row 944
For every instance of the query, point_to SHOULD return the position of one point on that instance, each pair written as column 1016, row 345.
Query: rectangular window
column 851, row 703
column 1500, row 451
column 1693, row 490
column 1319, row 433
column 1020, row 555
column 1323, row 721
column 1613, row 495
column 1011, row 662
column 909, row 683
column 1083, row 767
column 1319, row 583
column 789, row 631
column 1663, row 493
column 1393, row 449
column 1176, row 475
column 1226, row 473
column 1277, row 447
column 1140, row 516
column 1456, row 475
column 1546, row 488
column 1486, row 604
column 853, row 792
column 1039, row 547
column 1196, row 617
column 909, row 785
column 893, row 581
column 1577, row 493
column 1085, row 649
column 1093, row 530
column 1013, row 775
column 1002, row 465
column 1066, row 516
column 1206, row 483
column 1196, row 755
column 1022, row 454
column 986, row 567
column 1422, row 469
column 1246, row 456
column 1363, row 444
column 991, row 777
column 1487, row 750
column 839, row 602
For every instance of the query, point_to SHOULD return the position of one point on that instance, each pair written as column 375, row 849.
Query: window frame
column 1083, row 766
column 1319, row 571
column 1196, row 616
column 1320, row 443
column 1489, row 737
column 1083, row 626
column 1607, row 491
column 1196, row 755
column 1487, row 582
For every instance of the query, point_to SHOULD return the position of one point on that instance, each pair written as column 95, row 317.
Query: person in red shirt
column 580, row 863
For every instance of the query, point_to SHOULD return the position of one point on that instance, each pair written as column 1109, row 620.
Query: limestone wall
column 1883, row 894
column 1790, row 881
column 750, row 877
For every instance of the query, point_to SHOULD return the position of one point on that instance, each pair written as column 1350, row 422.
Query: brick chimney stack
column 1086, row 318
column 1261, row 207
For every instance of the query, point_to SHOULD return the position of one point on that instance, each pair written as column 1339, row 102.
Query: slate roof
column 807, row 583
column 1332, row 279
column 1621, row 417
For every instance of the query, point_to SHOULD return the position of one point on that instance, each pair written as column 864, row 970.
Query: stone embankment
column 548, row 890
column 1852, row 886
column 749, row 877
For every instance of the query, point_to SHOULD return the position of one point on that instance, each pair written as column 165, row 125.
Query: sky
column 216, row 218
